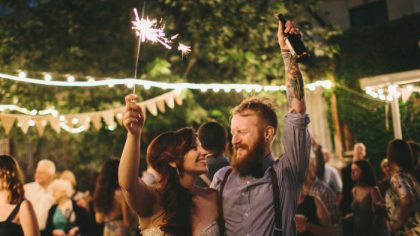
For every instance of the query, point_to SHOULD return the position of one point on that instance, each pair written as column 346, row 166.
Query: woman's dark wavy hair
column 399, row 152
column 12, row 179
column 177, row 200
column 106, row 185
column 367, row 177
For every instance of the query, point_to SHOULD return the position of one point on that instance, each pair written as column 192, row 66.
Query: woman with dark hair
column 17, row 216
column 109, row 203
column 368, row 210
column 402, row 198
column 176, row 206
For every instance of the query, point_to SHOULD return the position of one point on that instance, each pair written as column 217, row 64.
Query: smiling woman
column 175, row 206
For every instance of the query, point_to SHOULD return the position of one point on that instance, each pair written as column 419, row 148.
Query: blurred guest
column 65, row 217
column 402, row 198
column 327, row 173
column 384, row 184
column 39, row 193
column 213, row 138
column 415, row 148
column 321, row 191
column 359, row 153
column 312, row 217
column 17, row 217
column 69, row 176
column 109, row 203
column 368, row 209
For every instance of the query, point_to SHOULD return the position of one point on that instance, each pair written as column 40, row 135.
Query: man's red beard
column 251, row 163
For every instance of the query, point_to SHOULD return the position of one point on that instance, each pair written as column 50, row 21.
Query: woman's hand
column 133, row 116
column 58, row 232
column 288, row 28
column 73, row 231
column 301, row 223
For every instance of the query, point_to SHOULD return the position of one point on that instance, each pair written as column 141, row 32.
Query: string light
column 391, row 92
column 147, row 84
column 4, row 107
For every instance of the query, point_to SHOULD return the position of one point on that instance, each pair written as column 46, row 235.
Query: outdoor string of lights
column 391, row 92
column 147, row 84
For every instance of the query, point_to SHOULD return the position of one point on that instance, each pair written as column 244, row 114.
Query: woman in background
column 368, row 209
column 109, row 203
column 402, row 198
column 66, row 217
column 17, row 217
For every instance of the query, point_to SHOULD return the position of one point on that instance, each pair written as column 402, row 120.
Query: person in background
column 17, row 217
column 415, row 148
column 359, row 153
column 402, row 198
column 325, row 172
column 384, row 183
column 368, row 208
column 213, row 138
column 65, row 218
column 69, row 176
column 110, row 206
column 322, row 191
column 312, row 216
column 39, row 193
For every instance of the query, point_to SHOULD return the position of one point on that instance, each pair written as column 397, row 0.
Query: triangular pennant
column 119, row 115
column 151, row 107
column 405, row 94
column 24, row 122
column 143, row 109
column 161, row 105
column 108, row 117
column 96, row 120
column 178, row 98
column 55, row 124
column 169, row 99
column 7, row 122
column 40, row 124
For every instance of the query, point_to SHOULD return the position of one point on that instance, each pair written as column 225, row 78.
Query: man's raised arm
column 296, row 139
column 294, row 82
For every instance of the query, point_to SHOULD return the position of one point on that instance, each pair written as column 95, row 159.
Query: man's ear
column 269, row 133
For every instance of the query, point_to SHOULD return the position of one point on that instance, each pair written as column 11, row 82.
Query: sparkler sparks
column 184, row 49
column 147, row 29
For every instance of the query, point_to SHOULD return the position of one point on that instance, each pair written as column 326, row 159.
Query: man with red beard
column 258, row 193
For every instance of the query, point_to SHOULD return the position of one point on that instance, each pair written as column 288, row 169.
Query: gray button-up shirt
column 248, row 202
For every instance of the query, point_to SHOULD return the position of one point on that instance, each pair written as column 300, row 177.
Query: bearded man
column 258, row 193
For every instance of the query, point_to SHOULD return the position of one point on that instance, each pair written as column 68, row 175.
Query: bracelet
column 284, row 50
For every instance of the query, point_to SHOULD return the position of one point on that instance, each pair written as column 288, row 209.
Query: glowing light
column 409, row 87
column 31, row 122
column 70, row 78
column 380, row 91
column 74, row 121
column 47, row 77
column 22, row 74
column 72, row 130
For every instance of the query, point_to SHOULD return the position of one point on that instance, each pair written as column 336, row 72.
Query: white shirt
column 41, row 199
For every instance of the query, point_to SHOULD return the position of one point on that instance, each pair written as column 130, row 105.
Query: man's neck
column 44, row 185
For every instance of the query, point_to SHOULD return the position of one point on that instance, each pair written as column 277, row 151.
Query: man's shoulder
column 222, row 172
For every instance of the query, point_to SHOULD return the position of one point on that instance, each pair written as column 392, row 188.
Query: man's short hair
column 213, row 137
column 50, row 166
column 262, row 106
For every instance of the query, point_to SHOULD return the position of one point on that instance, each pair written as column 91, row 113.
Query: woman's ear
column 172, row 164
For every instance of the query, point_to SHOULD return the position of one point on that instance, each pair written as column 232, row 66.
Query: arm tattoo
column 294, row 81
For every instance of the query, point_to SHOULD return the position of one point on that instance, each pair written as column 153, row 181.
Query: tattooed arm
column 295, row 89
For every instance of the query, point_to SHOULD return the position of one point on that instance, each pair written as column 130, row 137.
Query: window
column 369, row 14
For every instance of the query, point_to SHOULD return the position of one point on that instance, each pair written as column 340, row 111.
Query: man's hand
column 133, row 117
column 288, row 28
column 58, row 232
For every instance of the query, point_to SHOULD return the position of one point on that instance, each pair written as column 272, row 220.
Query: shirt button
column 246, row 214
column 243, row 194
column 247, row 182
column 247, row 234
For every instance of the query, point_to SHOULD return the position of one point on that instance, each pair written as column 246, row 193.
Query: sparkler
column 149, row 30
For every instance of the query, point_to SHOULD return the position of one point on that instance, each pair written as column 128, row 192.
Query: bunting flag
column 81, row 121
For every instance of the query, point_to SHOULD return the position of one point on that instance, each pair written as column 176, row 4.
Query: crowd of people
column 192, row 187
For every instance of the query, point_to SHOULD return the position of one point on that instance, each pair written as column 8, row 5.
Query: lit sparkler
column 147, row 29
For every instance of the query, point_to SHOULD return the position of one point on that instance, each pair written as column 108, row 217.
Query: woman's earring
column 177, row 171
